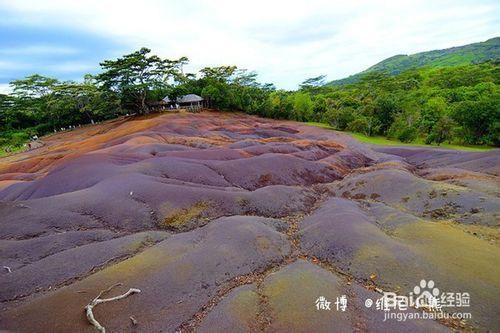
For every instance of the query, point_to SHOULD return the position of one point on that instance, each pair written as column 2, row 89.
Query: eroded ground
column 234, row 223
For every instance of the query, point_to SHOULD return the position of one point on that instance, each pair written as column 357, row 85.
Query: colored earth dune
column 234, row 223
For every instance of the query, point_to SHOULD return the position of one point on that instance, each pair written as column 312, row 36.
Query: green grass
column 381, row 140
column 13, row 150
column 12, row 141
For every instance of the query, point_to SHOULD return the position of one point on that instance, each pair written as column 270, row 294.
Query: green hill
column 460, row 55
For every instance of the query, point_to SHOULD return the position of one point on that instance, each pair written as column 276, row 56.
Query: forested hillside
column 458, row 104
column 454, row 56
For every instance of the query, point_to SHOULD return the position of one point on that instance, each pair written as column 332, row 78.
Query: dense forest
column 457, row 104
column 454, row 56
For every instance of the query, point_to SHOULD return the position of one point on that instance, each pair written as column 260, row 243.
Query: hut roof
column 166, row 99
column 189, row 98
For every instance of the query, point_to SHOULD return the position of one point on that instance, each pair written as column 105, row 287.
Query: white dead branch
column 99, row 300
column 8, row 269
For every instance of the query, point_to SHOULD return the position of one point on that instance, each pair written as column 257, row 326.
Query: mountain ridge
column 480, row 52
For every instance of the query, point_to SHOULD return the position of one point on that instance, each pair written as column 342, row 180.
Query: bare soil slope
column 228, row 222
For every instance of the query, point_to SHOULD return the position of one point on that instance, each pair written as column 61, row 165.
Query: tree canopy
column 134, row 75
column 459, row 104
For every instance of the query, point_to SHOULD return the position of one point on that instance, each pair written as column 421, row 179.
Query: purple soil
column 189, row 208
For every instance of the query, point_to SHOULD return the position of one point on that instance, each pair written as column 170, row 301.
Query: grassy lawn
column 13, row 150
column 381, row 140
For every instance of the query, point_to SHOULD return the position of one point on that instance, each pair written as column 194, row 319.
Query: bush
column 404, row 127
column 360, row 125
column 43, row 129
column 477, row 118
column 340, row 118
column 302, row 107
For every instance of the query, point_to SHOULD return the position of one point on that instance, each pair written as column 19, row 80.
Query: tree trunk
column 142, row 106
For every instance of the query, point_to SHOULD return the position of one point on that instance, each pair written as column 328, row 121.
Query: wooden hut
column 156, row 105
column 163, row 105
column 191, row 102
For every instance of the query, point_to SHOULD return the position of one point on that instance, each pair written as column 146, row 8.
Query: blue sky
column 52, row 51
column 284, row 41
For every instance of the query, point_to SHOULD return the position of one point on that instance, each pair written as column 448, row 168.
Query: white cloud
column 38, row 50
column 7, row 64
column 71, row 67
column 5, row 88
column 285, row 41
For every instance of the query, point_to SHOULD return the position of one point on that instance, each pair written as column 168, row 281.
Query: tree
column 386, row 107
column 367, row 112
column 216, row 95
column 33, row 86
column 6, row 103
column 280, row 105
column 476, row 119
column 319, row 107
column 30, row 97
column 437, row 104
column 302, row 107
column 73, row 102
column 404, row 127
column 339, row 118
column 135, row 74
column 360, row 125
column 441, row 131
column 312, row 84
column 433, row 110
column 230, row 88
column 178, row 74
column 221, row 73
